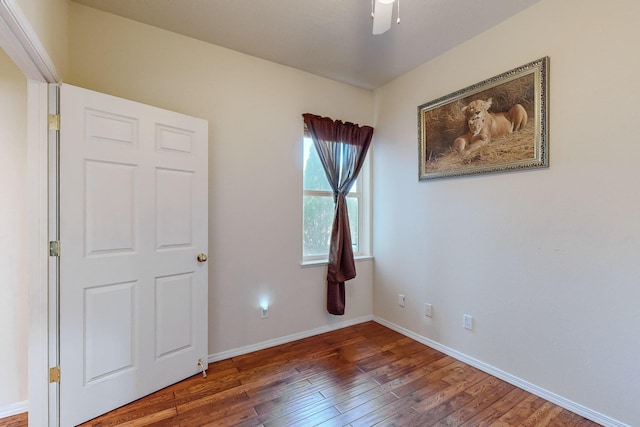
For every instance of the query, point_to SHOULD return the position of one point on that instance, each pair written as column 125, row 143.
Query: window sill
column 323, row 262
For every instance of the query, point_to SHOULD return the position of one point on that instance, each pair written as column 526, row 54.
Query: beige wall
column 545, row 260
column 13, row 236
column 254, row 111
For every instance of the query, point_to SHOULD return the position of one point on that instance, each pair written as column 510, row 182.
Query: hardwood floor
column 19, row 420
column 364, row 375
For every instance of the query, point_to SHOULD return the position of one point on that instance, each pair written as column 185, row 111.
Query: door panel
column 174, row 298
column 102, row 358
column 174, row 226
column 133, row 217
column 102, row 126
column 109, row 193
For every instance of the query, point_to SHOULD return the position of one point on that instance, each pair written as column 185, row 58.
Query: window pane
column 317, row 222
column 352, row 207
column 314, row 175
column 318, row 214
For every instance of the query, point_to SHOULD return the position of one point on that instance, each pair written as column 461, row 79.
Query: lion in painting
column 485, row 126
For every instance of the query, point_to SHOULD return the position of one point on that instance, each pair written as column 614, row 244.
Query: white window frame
column 363, row 195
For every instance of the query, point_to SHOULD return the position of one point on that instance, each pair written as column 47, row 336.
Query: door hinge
column 54, row 121
column 54, row 374
column 54, row 248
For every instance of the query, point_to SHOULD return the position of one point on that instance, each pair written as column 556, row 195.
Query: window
column 318, row 209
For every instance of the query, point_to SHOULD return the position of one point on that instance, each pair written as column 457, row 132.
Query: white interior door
column 133, row 218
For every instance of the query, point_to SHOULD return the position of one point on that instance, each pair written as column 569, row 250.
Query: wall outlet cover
column 428, row 310
column 467, row 322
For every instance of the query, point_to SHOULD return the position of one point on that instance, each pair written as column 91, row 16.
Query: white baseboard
column 14, row 409
column 505, row 376
column 286, row 339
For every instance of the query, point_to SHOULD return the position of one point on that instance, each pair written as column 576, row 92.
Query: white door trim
column 37, row 170
column 22, row 45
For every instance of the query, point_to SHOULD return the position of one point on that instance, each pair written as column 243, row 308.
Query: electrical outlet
column 467, row 322
column 428, row 309
column 401, row 300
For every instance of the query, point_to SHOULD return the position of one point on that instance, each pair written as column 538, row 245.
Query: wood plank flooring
column 19, row 420
column 361, row 376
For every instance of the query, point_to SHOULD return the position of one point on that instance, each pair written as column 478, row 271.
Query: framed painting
column 497, row 125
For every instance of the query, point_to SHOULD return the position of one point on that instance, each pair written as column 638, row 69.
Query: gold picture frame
column 497, row 125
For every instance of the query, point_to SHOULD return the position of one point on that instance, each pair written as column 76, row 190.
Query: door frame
column 22, row 45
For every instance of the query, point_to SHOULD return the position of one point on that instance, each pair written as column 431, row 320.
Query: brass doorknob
column 202, row 257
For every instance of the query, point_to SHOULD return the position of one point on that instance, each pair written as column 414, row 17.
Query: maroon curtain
column 342, row 148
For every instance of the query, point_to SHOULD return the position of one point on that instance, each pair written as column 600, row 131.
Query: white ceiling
column 331, row 38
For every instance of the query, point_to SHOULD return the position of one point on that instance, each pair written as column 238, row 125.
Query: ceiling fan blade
column 383, row 14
